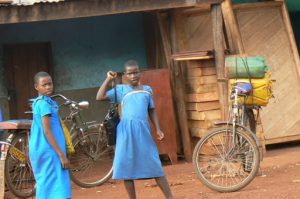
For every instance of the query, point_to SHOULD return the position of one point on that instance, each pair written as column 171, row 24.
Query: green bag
column 245, row 67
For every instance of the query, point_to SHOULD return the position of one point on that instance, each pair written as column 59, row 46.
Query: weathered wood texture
column 176, row 82
column 164, row 109
column 264, row 32
column 198, row 29
column 88, row 8
column 202, row 93
column 219, row 49
column 233, row 32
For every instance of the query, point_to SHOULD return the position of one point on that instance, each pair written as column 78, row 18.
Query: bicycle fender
column 249, row 132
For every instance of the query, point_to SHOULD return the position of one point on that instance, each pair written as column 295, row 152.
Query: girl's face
column 44, row 86
column 133, row 75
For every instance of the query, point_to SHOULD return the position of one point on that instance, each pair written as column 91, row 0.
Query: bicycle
column 91, row 164
column 227, row 158
column 14, row 150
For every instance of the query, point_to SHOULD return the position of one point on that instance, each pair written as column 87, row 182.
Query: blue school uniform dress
column 53, row 182
column 136, row 154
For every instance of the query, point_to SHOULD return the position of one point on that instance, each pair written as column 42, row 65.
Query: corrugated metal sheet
column 31, row 2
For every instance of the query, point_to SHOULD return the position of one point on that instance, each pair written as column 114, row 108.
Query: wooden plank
column 177, row 85
column 162, row 96
column 278, row 53
column 233, row 32
column 283, row 139
column 198, row 72
column 78, row 9
column 192, row 55
column 177, row 38
column 211, row 79
column 198, row 132
column 288, row 26
column 218, row 41
column 203, row 97
column 207, row 124
column 187, row 58
column 205, row 115
column 201, row 88
column 203, row 106
column 255, row 5
column 202, row 63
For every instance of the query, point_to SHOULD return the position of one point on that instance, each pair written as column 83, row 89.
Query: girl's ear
column 36, row 87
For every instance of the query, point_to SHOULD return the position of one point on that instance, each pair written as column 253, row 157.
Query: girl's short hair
column 39, row 75
column 131, row 63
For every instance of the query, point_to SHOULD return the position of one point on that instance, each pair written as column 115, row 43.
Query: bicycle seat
column 15, row 124
column 243, row 88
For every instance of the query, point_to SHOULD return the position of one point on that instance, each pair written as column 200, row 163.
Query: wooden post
column 177, row 86
column 288, row 26
column 233, row 31
column 218, row 41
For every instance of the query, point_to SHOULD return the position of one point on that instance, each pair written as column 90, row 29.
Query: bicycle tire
column 250, row 120
column 19, row 177
column 91, row 165
column 205, row 160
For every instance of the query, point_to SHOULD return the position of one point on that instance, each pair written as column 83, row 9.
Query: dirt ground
column 280, row 179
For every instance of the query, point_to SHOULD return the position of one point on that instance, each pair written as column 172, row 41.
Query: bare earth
column 280, row 179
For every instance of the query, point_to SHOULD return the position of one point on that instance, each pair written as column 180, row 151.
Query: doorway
column 22, row 62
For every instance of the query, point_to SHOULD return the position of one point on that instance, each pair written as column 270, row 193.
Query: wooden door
column 265, row 32
column 159, row 80
column 22, row 62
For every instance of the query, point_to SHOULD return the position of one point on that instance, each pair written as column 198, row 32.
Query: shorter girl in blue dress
column 47, row 147
column 136, row 154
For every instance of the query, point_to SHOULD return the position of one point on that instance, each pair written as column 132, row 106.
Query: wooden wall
column 266, row 32
column 202, row 98
column 201, row 89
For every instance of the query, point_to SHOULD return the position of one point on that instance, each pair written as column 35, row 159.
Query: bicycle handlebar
column 67, row 101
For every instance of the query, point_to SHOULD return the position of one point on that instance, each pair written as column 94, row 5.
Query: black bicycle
column 227, row 158
column 91, row 164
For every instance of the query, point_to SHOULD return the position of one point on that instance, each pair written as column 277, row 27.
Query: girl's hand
column 111, row 75
column 65, row 163
column 160, row 134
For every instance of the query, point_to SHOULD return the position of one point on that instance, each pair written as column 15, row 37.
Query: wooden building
column 186, row 37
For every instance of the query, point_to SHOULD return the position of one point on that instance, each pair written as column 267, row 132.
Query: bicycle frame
column 240, row 124
column 78, row 127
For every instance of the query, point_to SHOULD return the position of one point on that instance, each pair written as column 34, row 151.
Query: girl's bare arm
column 105, row 85
column 154, row 120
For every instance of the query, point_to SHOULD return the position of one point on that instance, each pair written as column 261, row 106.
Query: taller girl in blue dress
column 136, row 155
column 47, row 147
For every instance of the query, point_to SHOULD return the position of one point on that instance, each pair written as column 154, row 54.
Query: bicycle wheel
column 222, row 165
column 18, row 173
column 91, row 165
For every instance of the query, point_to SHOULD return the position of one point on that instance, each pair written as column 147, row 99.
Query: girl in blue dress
column 47, row 147
column 136, row 154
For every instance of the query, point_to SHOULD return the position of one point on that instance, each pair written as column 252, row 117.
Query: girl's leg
column 129, row 185
column 164, row 186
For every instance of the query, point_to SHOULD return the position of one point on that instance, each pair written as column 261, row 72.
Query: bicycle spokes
column 225, row 162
